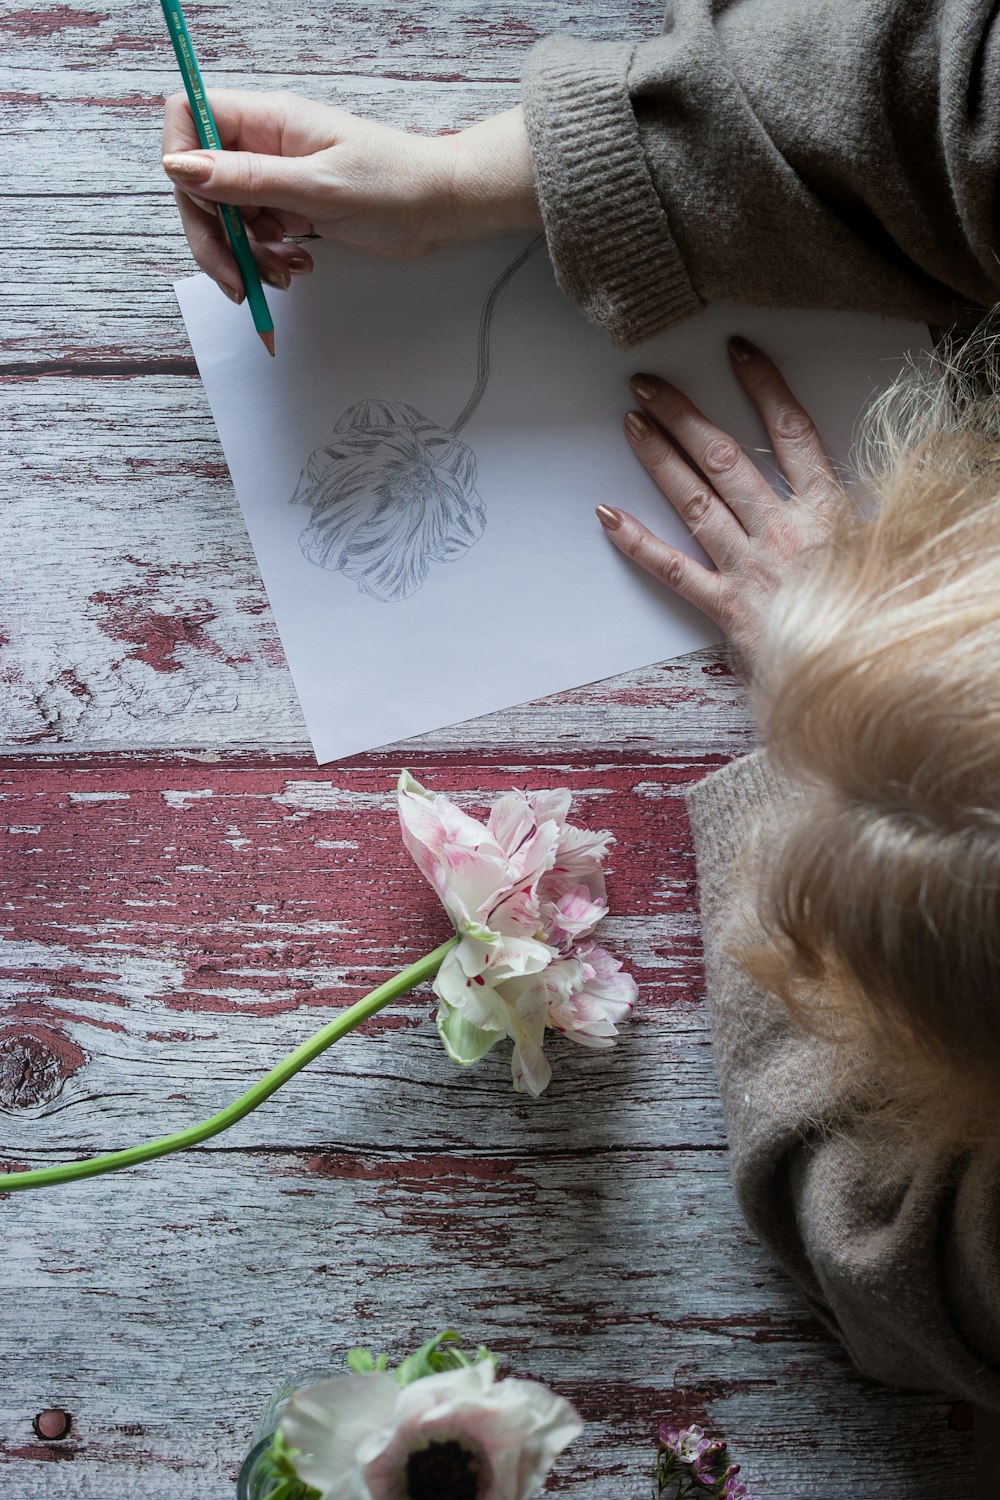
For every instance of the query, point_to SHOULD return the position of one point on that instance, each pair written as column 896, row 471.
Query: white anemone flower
column 461, row 1435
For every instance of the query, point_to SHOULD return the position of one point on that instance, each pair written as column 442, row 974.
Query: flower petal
column 551, row 805
column 327, row 1421
column 511, row 820
column 554, row 1424
column 573, row 916
column 485, row 998
column 528, row 1003
column 455, row 853
column 517, row 1426
column 578, row 861
column 517, row 910
column 452, row 1401
column 588, row 1011
column 464, row 1043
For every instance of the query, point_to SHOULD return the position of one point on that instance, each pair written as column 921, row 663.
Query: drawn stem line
column 485, row 322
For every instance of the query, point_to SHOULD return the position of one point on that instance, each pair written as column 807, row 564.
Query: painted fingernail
column 610, row 519
column 279, row 279
column 637, row 425
column 645, row 386
column 236, row 297
column 741, row 351
column 188, row 168
column 298, row 262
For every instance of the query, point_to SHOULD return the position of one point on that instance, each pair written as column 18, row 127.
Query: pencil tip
column 267, row 339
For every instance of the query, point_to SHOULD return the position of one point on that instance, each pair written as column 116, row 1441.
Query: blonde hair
column 879, row 898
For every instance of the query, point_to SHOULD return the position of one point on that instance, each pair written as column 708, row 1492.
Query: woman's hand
column 295, row 167
column 748, row 531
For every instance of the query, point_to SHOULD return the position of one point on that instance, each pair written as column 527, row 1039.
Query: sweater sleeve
column 839, row 154
column 891, row 1231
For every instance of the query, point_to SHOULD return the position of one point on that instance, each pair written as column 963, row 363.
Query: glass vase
column 254, row 1481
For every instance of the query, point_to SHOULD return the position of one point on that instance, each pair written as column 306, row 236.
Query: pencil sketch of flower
column 390, row 495
column 393, row 492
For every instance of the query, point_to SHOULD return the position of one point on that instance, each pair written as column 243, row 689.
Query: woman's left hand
column 748, row 530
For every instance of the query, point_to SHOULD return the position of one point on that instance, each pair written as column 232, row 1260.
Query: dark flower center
column 444, row 1471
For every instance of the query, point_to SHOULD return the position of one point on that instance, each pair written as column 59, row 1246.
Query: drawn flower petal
column 392, row 494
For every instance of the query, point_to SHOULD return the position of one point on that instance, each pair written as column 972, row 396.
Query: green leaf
column 276, row 1466
column 437, row 1356
column 422, row 1362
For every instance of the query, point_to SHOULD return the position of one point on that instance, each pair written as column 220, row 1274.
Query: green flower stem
column 94, row 1166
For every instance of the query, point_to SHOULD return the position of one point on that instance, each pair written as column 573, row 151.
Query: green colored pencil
column 209, row 137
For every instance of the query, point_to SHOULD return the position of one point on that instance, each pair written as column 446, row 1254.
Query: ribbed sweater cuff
column 724, row 809
column 608, row 235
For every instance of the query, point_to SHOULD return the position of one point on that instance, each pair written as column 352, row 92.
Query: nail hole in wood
column 52, row 1424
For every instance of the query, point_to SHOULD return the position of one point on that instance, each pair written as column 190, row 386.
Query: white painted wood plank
column 166, row 1308
column 437, row 40
column 656, row 1091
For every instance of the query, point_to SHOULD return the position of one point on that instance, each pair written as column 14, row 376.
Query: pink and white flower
column 525, row 891
column 362, row 1437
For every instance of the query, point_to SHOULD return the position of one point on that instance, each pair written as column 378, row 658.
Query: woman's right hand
column 295, row 167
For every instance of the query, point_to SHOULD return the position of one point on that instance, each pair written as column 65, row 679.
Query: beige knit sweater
column 820, row 153
column 892, row 1232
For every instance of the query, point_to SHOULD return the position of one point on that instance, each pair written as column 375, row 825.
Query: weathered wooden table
column 185, row 895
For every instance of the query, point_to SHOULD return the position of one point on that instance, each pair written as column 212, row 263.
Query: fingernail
column 203, row 203
column 236, row 297
column 298, row 262
column 637, row 425
column 741, row 351
column 610, row 519
column 645, row 386
column 190, row 167
column 279, row 279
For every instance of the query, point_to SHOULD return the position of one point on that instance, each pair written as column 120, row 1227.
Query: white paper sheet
column 540, row 601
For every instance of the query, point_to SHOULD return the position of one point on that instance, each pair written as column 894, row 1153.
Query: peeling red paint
column 129, row 104
column 230, row 904
column 35, row 1451
column 155, row 635
column 270, row 649
column 71, row 683
column 35, row 1062
column 42, row 23
column 514, row 31
column 28, row 1008
column 349, row 1166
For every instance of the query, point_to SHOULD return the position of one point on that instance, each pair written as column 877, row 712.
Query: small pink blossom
column 524, row 891
column 699, row 1456
column 687, row 1442
column 734, row 1489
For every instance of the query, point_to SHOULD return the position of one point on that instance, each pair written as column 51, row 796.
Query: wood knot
column 53, row 1424
column 35, row 1062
